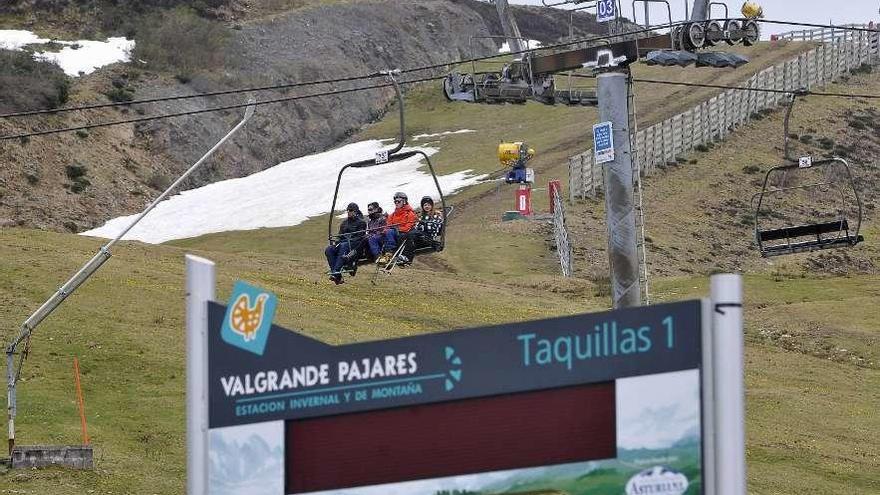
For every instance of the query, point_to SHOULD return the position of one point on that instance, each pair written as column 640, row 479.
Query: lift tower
column 532, row 77
column 508, row 24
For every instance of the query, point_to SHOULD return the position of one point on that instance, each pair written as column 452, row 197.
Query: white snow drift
column 287, row 194
column 77, row 57
column 530, row 44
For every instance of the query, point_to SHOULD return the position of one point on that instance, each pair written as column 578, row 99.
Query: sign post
column 729, row 389
column 200, row 283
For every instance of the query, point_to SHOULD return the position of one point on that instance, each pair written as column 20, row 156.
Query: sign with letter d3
column 605, row 11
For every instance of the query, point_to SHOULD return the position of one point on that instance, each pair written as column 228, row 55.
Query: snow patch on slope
column 287, row 195
column 76, row 57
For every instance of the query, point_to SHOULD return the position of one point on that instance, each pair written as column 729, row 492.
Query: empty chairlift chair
column 794, row 215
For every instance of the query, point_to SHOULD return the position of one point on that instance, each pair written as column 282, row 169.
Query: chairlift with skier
column 382, row 157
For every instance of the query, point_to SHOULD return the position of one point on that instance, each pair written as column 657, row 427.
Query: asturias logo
column 248, row 317
column 657, row 480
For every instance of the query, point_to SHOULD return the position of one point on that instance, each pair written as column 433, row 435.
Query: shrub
column 751, row 169
column 77, row 174
column 159, row 181
column 26, row 84
column 120, row 95
column 857, row 124
column 76, row 171
column 181, row 41
column 826, row 143
column 806, row 139
column 702, row 148
column 82, row 133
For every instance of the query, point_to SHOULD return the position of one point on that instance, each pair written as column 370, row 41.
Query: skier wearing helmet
column 400, row 222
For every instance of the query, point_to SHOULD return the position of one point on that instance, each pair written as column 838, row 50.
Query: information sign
column 603, row 142
column 584, row 403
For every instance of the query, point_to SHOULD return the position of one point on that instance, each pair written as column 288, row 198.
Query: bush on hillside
column 181, row 42
column 26, row 84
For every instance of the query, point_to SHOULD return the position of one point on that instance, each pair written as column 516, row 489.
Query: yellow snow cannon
column 751, row 10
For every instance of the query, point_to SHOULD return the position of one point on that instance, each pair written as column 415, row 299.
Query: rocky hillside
column 76, row 181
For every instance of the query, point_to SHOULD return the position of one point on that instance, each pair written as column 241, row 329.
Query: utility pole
column 508, row 24
column 620, row 213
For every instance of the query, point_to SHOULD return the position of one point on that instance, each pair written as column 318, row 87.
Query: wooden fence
column 711, row 120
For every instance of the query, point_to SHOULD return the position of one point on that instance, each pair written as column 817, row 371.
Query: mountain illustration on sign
column 454, row 375
column 246, row 319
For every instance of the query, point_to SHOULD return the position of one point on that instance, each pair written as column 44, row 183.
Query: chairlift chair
column 815, row 235
column 388, row 156
column 812, row 236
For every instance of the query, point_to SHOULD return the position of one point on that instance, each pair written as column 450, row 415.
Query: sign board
column 591, row 403
column 605, row 11
column 603, row 142
column 381, row 157
column 805, row 162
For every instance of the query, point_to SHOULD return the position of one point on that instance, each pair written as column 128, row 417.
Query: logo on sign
column 248, row 318
column 658, row 480
column 805, row 162
column 603, row 142
column 605, row 11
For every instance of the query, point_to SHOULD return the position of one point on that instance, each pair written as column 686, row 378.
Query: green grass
column 811, row 358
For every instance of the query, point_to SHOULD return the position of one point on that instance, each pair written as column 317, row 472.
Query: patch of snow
column 13, row 39
column 531, row 44
column 445, row 133
column 287, row 194
column 77, row 57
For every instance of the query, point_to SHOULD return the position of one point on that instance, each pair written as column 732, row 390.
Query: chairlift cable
column 277, row 87
column 298, row 84
column 372, row 75
column 208, row 110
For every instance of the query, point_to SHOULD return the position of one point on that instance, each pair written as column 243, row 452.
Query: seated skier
column 400, row 222
column 377, row 229
column 345, row 246
column 426, row 232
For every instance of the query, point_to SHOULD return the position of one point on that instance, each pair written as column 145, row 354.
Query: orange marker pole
column 79, row 402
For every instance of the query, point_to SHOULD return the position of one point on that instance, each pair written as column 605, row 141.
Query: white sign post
column 605, row 11
column 729, row 387
column 200, row 283
column 603, row 142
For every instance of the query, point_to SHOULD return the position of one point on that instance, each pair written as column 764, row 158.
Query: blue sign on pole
column 605, row 11
column 603, row 142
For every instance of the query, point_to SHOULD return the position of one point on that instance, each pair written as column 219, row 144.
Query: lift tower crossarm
column 83, row 274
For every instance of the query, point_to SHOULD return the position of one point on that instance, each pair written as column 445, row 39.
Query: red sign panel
column 547, row 427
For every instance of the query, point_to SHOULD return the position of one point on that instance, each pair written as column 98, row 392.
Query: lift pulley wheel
column 733, row 29
column 695, row 35
column 751, row 33
column 713, row 33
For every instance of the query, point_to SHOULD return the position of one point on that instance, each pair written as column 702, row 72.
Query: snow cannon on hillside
column 516, row 155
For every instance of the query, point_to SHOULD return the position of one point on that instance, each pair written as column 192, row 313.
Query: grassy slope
column 812, row 422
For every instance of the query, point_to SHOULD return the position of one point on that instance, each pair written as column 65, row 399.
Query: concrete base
column 37, row 456
column 508, row 216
